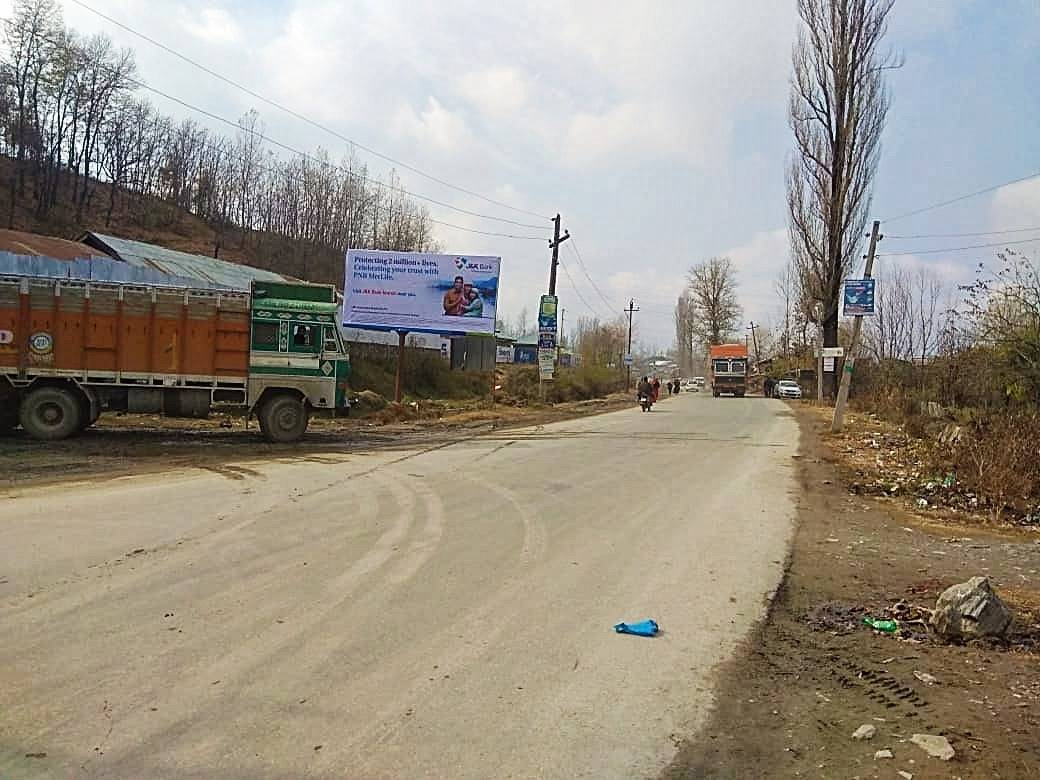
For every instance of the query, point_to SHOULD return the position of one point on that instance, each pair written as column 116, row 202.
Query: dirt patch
column 812, row 673
column 120, row 445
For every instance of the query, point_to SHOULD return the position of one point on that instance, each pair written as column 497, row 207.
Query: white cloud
column 215, row 26
column 758, row 263
column 1016, row 206
column 499, row 91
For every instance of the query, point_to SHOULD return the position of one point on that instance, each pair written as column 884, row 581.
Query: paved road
column 402, row 613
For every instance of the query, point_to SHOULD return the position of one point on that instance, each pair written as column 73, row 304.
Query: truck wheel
column 51, row 413
column 283, row 418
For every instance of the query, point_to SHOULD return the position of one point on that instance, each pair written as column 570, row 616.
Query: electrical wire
column 958, row 248
column 585, row 270
column 959, row 198
column 310, row 121
column 965, row 235
column 581, row 297
column 311, row 158
column 256, row 134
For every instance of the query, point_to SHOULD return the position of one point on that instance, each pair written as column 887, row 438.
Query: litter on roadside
column 887, row 626
column 642, row 628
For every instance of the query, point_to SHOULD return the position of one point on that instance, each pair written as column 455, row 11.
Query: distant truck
column 728, row 369
column 70, row 349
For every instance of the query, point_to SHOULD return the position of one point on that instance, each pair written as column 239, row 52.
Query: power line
column 585, row 270
column 959, row 248
column 306, row 119
column 308, row 156
column 577, row 292
column 965, row 235
column 959, row 198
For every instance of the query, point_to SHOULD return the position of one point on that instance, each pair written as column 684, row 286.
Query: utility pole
column 754, row 340
column 555, row 246
column 850, row 360
column 632, row 308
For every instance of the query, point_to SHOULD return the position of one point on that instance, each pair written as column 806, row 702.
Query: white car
column 787, row 388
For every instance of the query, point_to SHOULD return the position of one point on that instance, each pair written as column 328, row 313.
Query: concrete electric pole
column 850, row 360
column 632, row 308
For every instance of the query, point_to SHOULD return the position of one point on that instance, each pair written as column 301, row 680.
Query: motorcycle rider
column 645, row 389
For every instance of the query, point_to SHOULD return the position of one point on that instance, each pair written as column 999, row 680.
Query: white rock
column 934, row 745
column 970, row 609
column 866, row 731
column 905, row 775
column 882, row 754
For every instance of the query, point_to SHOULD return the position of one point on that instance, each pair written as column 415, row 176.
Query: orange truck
column 72, row 348
column 728, row 369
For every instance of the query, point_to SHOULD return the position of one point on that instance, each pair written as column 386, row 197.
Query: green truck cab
column 297, row 359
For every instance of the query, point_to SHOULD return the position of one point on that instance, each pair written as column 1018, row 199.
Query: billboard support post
column 846, row 374
column 399, row 379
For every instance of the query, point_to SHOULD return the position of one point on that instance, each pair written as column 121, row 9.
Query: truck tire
column 51, row 413
column 283, row 418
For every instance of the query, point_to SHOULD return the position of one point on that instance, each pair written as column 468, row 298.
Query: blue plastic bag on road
column 642, row 628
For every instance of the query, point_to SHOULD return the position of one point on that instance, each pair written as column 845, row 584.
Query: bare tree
column 712, row 291
column 684, row 331
column 837, row 111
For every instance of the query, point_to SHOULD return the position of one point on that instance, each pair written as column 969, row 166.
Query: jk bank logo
column 462, row 262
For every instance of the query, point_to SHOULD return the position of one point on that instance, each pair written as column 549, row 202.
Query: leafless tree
column 837, row 111
column 684, row 335
column 712, row 292
column 73, row 126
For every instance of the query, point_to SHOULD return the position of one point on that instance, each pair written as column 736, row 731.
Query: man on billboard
column 455, row 298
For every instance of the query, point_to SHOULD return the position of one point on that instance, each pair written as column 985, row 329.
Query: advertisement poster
column 504, row 354
column 415, row 291
column 859, row 297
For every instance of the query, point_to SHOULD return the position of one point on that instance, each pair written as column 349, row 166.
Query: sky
column 658, row 130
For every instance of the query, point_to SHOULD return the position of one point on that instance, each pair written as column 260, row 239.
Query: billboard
column 859, row 297
column 416, row 291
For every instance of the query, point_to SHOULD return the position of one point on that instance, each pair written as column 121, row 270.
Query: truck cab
column 297, row 359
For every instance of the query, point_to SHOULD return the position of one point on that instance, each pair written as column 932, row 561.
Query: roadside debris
column 926, row 678
column 866, row 731
column 642, row 628
column 970, row 610
column 905, row 775
column 934, row 745
column 887, row 626
column 882, row 754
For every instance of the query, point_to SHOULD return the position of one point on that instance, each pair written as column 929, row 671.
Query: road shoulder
column 811, row 674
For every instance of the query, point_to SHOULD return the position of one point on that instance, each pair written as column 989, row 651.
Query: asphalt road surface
column 404, row 613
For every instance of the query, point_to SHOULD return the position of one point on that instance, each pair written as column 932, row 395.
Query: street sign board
column 628, row 360
column 828, row 365
column 831, row 352
column 547, row 339
column 546, row 363
column 547, row 313
column 859, row 297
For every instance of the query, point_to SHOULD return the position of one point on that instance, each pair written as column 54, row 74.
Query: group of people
column 463, row 300
column 652, row 388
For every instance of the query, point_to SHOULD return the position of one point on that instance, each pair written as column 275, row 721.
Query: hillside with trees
column 81, row 147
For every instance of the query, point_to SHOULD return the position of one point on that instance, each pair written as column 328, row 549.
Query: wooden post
column 399, row 382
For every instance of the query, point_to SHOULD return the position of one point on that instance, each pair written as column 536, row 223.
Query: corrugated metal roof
column 23, row 244
column 181, row 264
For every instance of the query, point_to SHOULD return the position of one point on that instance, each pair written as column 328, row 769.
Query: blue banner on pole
column 859, row 297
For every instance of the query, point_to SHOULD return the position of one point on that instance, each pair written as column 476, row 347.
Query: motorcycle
column 645, row 402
